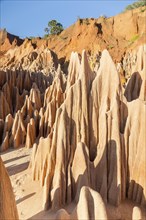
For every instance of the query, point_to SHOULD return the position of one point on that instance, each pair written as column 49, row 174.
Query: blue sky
column 30, row 17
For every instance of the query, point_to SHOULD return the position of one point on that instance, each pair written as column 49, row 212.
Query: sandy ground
column 28, row 193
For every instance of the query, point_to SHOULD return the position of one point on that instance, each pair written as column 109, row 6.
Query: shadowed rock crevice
column 133, row 87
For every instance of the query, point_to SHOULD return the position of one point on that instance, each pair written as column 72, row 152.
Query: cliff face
column 118, row 34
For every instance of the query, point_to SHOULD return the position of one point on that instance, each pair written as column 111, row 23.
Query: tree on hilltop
column 54, row 27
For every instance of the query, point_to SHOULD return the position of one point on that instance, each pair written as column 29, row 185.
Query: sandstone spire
column 8, row 208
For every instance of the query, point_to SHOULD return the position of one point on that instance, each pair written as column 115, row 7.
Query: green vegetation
column 110, row 46
column 142, row 10
column 134, row 38
column 103, row 16
column 45, row 36
column 63, row 37
column 137, row 4
column 54, row 28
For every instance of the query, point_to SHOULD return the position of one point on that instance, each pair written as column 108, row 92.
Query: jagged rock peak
column 88, row 123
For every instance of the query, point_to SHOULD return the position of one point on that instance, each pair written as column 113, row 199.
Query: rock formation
column 28, row 105
column 8, row 208
column 95, row 125
column 8, row 41
column 89, row 206
column 87, row 131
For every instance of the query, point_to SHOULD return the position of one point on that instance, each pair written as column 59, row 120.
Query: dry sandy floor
column 28, row 193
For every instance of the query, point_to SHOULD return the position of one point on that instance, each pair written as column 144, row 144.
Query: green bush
column 142, row 10
column 31, row 37
column 110, row 46
column 137, row 4
column 134, row 38
column 46, row 36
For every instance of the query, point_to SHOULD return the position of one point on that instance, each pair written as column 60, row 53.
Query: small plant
column 142, row 10
column 31, row 37
column 63, row 38
column 137, row 4
column 110, row 46
column 86, row 21
column 134, row 38
column 45, row 36
column 103, row 16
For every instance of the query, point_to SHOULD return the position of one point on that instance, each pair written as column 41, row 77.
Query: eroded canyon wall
column 87, row 130
column 97, row 140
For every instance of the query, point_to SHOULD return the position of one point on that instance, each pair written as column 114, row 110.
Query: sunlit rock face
column 8, row 208
column 94, row 141
column 86, row 130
